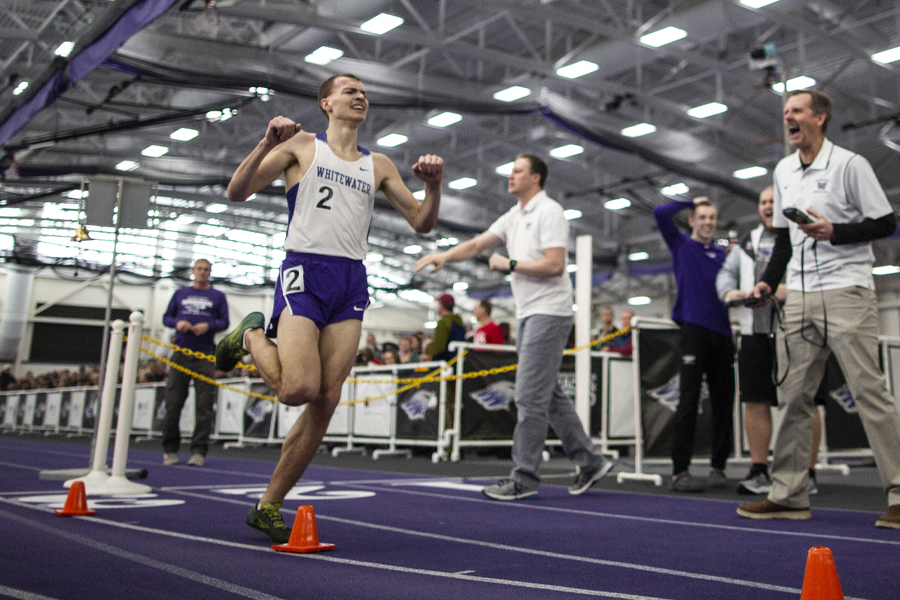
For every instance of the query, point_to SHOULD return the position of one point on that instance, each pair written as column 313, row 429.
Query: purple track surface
column 405, row 536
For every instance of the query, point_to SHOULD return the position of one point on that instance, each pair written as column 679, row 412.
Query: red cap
column 447, row 301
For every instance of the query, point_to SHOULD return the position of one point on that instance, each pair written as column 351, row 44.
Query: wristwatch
column 512, row 265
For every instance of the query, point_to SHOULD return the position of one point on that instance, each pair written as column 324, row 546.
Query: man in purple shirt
column 196, row 313
column 706, row 343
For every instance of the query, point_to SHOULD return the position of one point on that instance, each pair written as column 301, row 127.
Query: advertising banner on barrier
column 90, row 408
column 40, row 407
column 259, row 413
column 843, row 427
column 660, row 368
column 418, row 408
column 488, row 410
column 52, row 410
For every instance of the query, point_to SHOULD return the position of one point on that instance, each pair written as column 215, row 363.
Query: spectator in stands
column 507, row 333
column 405, row 351
column 6, row 378
column 364, row 357
column 706, row 342
column 390, row 357
column 372, row 345
column 606, row 327
column 196, row 312
column 621, row 341
column 488, row 332
column 449, row 329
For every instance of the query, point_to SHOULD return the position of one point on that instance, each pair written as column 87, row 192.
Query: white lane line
column 530, row 505
column 226, row 586
column 326, row 558
column 543, row 553
column 18, row 466
column 21, row 594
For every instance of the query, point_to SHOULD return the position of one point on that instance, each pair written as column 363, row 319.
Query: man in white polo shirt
column 831, row 305
column 536, row 235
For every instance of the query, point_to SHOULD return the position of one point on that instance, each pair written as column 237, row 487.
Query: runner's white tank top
column 330, row 209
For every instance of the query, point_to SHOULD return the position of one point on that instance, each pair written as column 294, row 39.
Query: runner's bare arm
column 271, row 157
column 430, row 169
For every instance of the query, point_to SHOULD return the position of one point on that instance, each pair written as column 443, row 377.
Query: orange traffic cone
column 821, row 579
column 304, row 536
column 76, row 502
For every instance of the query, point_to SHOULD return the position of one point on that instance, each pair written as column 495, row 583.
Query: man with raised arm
column 706, row 343
column 536, row 235
column 321, row 292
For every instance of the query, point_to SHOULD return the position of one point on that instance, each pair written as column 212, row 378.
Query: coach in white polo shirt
column 831, row 304
column 536, row 235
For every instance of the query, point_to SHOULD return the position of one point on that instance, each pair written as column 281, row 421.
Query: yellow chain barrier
column 434, row 376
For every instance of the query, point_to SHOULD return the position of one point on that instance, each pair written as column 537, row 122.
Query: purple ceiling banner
column 89, row 58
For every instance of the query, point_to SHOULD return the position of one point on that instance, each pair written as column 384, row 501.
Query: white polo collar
column 820, row 163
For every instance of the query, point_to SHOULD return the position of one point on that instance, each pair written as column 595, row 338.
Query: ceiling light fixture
column 797, row 83
column 505, row 170
column 566, row 151
column 381, row 24
column 127, row 165
column 576, row 70
column 638, row 130
column 216, row 208
column 323, row 55
column 887, row 56
column 750, row 172
column 154, row 151
column 412, row 249
column 184, row 134
column 664, row 36
column 639, row 300
column 511, row 94
column 64, row 49
column 885, row 270
column 757, row 3
column 617, row 204
column 23, row 85
column 635, row 256
column 677, row 189
column 707, row 110
column 391, row 140
column 462, row 183
column 444, row 119
column 571, row 214
column 460, row 286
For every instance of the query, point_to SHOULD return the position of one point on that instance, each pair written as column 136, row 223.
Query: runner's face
column 348, row 99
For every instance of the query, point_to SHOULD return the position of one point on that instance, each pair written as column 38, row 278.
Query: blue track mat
column 404, row 536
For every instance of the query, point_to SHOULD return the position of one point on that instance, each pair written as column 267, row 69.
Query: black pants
column 704, row 351
column 176, row 394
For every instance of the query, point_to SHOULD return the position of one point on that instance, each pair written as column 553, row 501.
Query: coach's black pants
column 704, row 351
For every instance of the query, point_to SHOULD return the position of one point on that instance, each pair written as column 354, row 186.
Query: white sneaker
column 196, row 460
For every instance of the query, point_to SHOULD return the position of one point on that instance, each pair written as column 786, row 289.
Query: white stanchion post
column 98, row 474
column 583, row 280
column 118, row 484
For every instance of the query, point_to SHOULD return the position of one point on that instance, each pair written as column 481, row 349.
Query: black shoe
column 230, row 348
column 267, row 519
column 685, row 482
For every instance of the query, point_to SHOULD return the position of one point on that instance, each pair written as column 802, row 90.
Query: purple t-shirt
column 197, row 306
column 695, row 266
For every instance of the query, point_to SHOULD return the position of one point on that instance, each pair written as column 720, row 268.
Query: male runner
column 322, row 291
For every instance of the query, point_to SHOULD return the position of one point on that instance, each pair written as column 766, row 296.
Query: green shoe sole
column 230, row 349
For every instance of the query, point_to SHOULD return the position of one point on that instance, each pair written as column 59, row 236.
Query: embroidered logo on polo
column 496, row 396
column 418, row 404
column 822, row 185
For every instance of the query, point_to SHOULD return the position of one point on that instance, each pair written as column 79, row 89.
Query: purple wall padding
column 133, row 20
